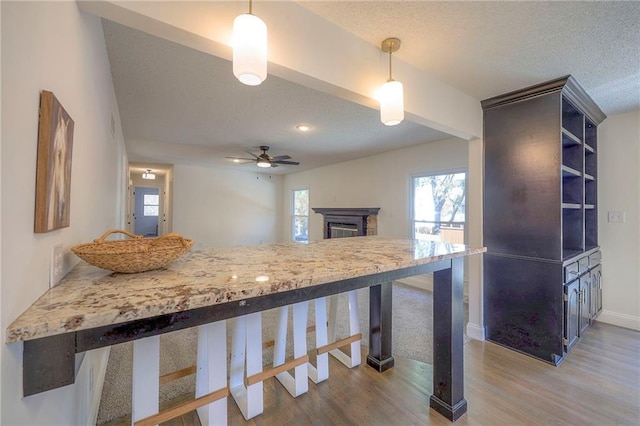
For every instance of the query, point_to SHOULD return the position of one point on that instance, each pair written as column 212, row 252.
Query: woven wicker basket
column 136, row 254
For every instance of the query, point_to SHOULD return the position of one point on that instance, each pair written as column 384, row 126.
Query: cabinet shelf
column 589, row 206
column 588, row 177
column 571, row 206
column 569, row 138
column 589, row 150
column 570, row 172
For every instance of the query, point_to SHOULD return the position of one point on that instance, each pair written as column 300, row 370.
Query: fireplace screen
column 342, row 230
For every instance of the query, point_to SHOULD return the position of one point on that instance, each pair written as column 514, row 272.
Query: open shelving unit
column 579, row 184
column 541, row 270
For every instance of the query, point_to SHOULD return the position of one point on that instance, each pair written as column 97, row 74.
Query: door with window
column 147, row 210
column 438, row 207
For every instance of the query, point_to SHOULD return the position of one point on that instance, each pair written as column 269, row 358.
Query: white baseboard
column 621, row 320
column 100, row 371
column 475, row 331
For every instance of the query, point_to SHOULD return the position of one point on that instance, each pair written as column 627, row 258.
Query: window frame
column 294, row 215
column 412, row 219
column 144, row 204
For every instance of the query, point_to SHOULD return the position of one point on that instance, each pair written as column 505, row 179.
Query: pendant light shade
column 249, row 49
column 391, row 94
column 391, row 103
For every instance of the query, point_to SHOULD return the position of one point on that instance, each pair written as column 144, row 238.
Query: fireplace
column 349, row 222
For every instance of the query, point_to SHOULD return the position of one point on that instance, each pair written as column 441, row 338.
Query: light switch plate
column 615, row 217
column 57, row 265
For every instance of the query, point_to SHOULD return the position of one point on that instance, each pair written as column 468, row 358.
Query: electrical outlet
column 615, row 217
column 57, row 265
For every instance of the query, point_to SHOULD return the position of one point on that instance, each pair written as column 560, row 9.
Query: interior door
column 147, row 209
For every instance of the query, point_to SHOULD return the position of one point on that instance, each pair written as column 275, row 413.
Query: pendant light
column 249, row 48
column 391, row 95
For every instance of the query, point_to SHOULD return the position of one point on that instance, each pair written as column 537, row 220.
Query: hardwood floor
column 597, row 384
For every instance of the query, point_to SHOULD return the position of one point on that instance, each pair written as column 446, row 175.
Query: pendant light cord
column 250, row 7
column 390, row 79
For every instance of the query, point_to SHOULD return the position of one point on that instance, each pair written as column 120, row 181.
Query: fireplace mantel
column 339, row 211
column 364, row 220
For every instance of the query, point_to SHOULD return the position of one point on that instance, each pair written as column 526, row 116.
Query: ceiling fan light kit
column 249, row 48
column 391, row 94
column 263, row 162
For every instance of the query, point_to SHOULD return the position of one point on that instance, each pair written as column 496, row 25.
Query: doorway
column 146, row 211
column 149, row 199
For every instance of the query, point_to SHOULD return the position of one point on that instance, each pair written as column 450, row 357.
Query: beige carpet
column 412, row 330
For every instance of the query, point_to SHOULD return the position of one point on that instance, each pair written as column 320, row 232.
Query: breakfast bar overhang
column 93, row 308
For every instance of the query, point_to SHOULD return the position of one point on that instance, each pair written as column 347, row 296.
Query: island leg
column 448, row 361
column 48, row 363
column 380, row 306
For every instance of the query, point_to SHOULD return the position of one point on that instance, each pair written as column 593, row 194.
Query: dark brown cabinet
column 572, row 309
column 540, row 217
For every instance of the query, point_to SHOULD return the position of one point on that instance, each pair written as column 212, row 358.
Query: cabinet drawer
column 571, row 272
column 595, row 259
column 583, row 265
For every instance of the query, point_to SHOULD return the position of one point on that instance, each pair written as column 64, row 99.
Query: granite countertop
column 90, row 297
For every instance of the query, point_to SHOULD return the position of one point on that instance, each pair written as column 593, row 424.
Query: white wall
column 52, row 46
column 619, row 190
column 376, row 181
column 223, row 207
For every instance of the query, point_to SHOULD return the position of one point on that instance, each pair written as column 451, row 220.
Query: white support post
column 247, row 344
column 297, row 384
column 211, row 374
column 320, row 372
column 146, row 378
column 354, row 328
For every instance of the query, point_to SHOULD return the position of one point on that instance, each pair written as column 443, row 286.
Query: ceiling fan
column 265, row 160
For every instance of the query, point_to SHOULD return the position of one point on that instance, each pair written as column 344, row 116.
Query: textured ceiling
column 489, row 48
column 182, row 105
column 179, row 105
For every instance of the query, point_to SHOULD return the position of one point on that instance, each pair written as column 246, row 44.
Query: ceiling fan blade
column 293, row 163
column 241, row 158
column 280, row 157
column 252, row 154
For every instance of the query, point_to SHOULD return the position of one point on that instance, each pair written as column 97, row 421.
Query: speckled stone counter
column 90, row 297
column 93, row 308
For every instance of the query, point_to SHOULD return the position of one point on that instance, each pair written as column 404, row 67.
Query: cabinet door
column 596, row 292
column 585, row 302
column 572, row 314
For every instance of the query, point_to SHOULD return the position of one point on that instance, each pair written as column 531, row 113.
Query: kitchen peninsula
column 93, row 308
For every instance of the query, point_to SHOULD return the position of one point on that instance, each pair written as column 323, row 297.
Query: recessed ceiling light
column 235, row 160
column 303, row 127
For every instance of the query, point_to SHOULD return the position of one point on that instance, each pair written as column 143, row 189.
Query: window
column 300, row 215
column 151, row 205
column 438, row 207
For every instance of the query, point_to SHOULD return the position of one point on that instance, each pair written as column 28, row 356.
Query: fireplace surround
column 348, row 222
